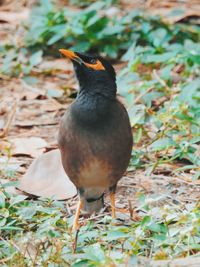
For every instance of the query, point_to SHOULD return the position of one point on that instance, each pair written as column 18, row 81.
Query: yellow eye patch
column 96, row 66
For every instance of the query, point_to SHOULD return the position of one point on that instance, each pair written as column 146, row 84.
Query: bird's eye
column 93, row 61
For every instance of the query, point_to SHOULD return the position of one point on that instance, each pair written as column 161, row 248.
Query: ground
column 34, row 107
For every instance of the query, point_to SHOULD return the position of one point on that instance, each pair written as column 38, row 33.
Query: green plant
column 38, row 231
column 172, row 77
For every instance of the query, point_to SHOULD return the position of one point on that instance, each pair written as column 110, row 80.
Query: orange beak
column 71, row 55
column 74, row 57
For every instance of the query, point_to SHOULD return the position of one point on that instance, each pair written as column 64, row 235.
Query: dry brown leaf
column 182, row 262
column 29, row 92
column 193, row 15
column 37, row 112
column 56, row 64
column 31, row 146
column 52, row 105
column 47, row 178
column 36, row 119
column 2, row 123
column 14, row 17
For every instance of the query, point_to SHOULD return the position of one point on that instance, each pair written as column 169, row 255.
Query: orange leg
column 78, row 210
column 134, row 216
column 112, row 201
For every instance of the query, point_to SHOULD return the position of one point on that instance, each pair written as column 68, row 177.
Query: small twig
column 171, row 178
column 6, row 259
column 130, row 208
column 95, row 217
column 36, row 255
column 142, row 94
column 27, row 251
column 9, row 121
column 161, row 81
column 68, row 209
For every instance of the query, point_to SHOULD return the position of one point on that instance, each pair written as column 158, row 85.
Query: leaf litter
column 38, row 114
column 47, row 178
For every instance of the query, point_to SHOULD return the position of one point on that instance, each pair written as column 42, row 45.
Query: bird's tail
column 93, row 204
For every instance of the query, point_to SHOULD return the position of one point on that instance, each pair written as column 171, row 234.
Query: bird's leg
column 76, row 224
column 78, row 210
column 112, row 200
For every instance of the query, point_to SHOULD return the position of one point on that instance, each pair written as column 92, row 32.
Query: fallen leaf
column 37, row 112
column 56, row 64
column 47, row 178
column 14, row 17
column 31, row 146
column 30, row 92
column 2, row 123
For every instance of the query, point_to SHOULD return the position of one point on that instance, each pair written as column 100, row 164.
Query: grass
column 40, row 232
column 161, row 86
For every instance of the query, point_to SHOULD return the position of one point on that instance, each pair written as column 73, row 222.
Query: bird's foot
column 76, row 225
column 74, row 243
column 133, row 214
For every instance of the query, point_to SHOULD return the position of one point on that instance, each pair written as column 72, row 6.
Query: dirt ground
column 34, row 110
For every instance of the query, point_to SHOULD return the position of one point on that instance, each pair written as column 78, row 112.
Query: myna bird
column 95, row 137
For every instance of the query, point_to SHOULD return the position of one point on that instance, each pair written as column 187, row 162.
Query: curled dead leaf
column 47, row 178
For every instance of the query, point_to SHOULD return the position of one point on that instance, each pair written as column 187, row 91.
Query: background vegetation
column 161, row 85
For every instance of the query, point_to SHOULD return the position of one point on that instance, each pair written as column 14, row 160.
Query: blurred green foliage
column 85, row 3
column 93, row 30
column 172, row 125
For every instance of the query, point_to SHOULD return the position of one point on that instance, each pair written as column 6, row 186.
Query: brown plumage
column 95, row 136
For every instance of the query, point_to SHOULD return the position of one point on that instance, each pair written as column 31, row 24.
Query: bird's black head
column 95, row 74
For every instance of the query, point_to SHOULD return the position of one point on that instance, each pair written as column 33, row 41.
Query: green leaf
column 36, row 58
column 80, row 263
column 165, row 73
column 137, row 114
column 17, row 199
column 115, row 29
column 148, row 98
column 159, row 58
column 116, row 234
column 27, row 212
column 2, row 222
column 189, row 92
column 137, row 137
column 82, row 46
column 162, row 144
column 95, row 253
column 59, row 32
column 158, row 228
column 2, row 201
column 159, row 36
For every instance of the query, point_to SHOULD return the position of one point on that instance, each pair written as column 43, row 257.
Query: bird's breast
column 94, row 173
column 96, row 156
